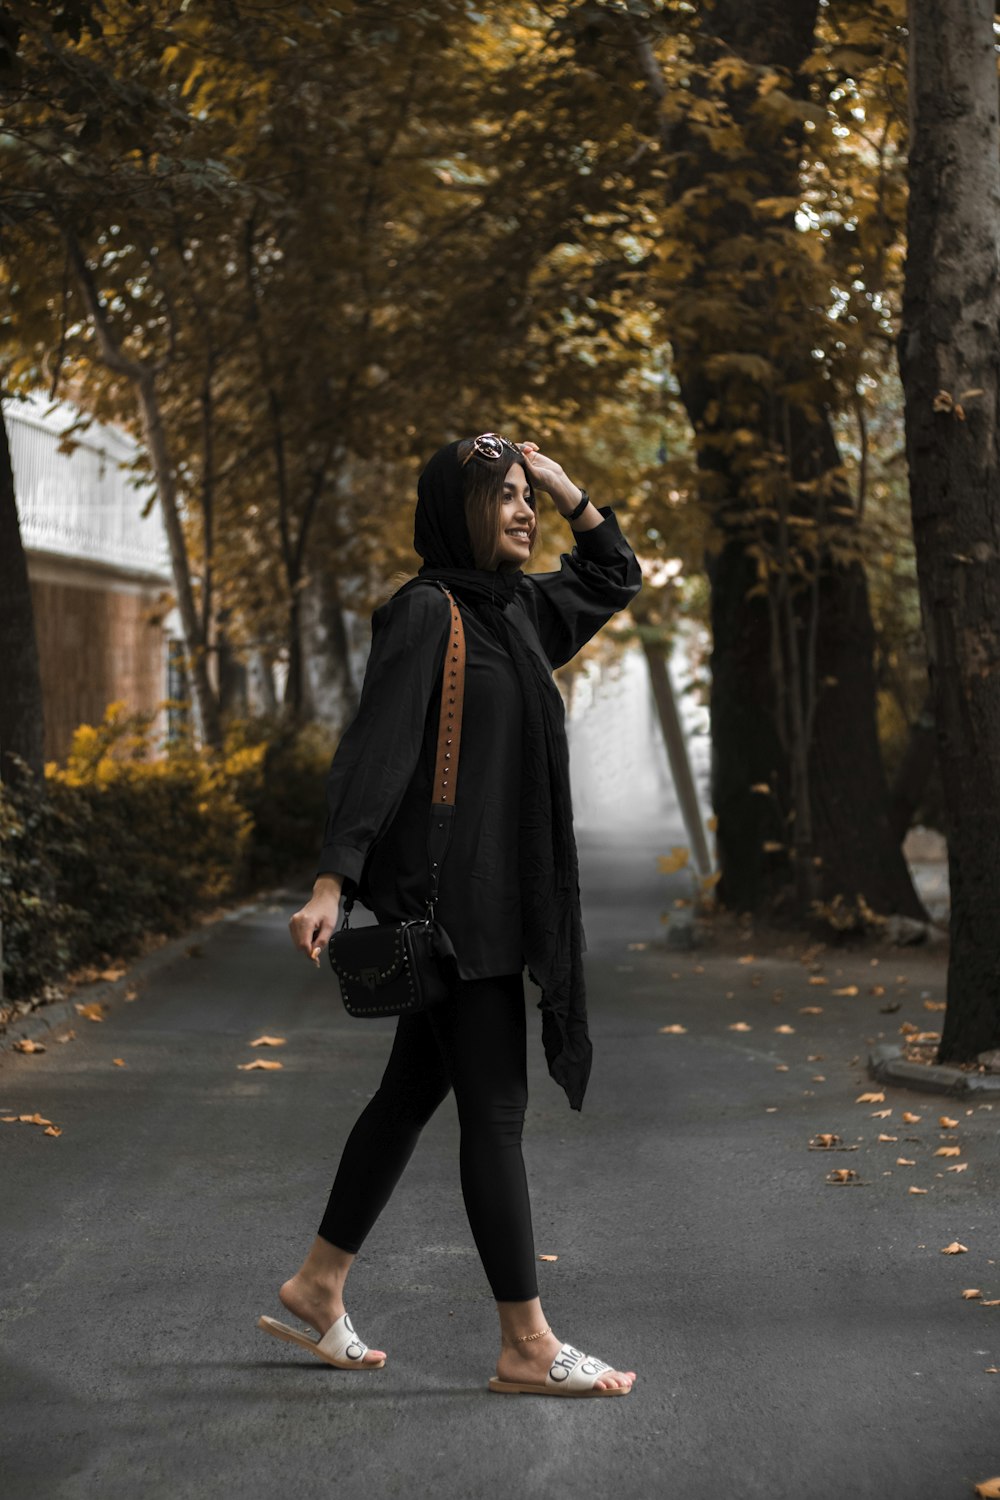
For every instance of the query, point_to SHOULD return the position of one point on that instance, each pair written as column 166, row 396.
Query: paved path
column 795, row 1341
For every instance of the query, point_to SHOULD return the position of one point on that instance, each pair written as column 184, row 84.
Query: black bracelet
column 575, row 515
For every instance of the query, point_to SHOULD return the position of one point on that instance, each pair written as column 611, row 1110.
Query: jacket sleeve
column 378, row 752
column 598, row 578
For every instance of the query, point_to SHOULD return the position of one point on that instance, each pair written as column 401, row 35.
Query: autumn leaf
column 848, row 989
column 68, row 1036
column 739, row 1026
column 904, row 1161
column 935, row 1005
column 268, row 1041
column 785, row 1030
column 825, row 1142
column 708, row 882
column 876, row 989
column 948, row 1151
column 971, row 1292
column 34, row 1120
column 781, row 1067
column 27, row 1045
column 52, row 1130
column 92, row 1012
column 818, row 1078
column 113, row 975
column 818, row 979
column 911, row 1119
column 119, row 1062
column 131, row 993
column 810, row 1010
column 9, row 1119
column 842, row 1175
column 548, row 1257
column 917, row 1190
column 881, row 1114
column 962, row 1167
column 747, row 958
column 989, row 1489
column 888, row 1137
column 670, row 863
column 674, row 1030
column 946, row 1122
column 870, row 1099
column 258, row 1062
column 955, row 1248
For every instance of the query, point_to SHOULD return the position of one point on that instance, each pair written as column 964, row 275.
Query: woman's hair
column 484, row 483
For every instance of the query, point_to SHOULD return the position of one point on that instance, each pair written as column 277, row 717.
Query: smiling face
column 517, row 518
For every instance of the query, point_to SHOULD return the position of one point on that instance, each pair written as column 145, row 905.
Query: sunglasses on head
column 489, row 445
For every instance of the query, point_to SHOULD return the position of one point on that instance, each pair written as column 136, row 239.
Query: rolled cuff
column 341, row 859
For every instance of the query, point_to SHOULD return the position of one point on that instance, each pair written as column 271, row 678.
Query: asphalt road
column 792, row 1338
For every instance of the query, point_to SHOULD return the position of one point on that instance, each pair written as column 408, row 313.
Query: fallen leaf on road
column 92, row 1012
column 33, row 1120
column 810, row 1010
column 934, row 1004
column 9, row 1119
column 739, row 1026
column 818, row 979
column 908, row 1029
column 785, row 1030
column 876, row 989
column 131, row 993
column 824, row 1141
column 971, row 1292
column 258, row 1062
column 818, row 1078
column 948, row 1151
column 870, row 1099
column 954, row 1248
column 548, row 1257
column 269, row 1041
column 842, row 1175
column 747, row 958
column 70, row 1036
column 989, row 1489
column 946, row 1122
column 815, row 1056
column 672, row 1030
column 888, row 1137
column 848, row 989
column 911, row 1119
column 52, row 1130
column 994, row 1303
column 112, row 975
column 991, row 1370
column 926, row 1036
column 781, row 1067
column 904, row 1161
column 27, row 1045
column 119, row 1062
column 964, row 1167
column 881, row 1114
column 917, row 1190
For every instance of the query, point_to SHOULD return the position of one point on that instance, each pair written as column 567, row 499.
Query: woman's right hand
column 311, row 928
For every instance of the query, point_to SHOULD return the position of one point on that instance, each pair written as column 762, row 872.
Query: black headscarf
column 547, row 859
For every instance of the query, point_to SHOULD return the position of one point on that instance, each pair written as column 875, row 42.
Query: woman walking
column 509, row 894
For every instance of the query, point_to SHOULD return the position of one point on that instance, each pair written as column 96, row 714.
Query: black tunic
column 379, row 785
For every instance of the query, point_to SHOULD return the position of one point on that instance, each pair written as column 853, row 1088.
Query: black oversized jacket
column 379, row 786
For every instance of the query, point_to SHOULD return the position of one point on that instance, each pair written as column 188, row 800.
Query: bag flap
column 370, row 955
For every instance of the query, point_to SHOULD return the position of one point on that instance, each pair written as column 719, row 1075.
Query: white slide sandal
column 571, row 1373
column 339, row 1346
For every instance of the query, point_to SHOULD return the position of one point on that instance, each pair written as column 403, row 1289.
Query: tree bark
column 949, row 353
column 328, row 690
column 22, row 723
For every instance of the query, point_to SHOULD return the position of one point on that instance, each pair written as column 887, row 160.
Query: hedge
column 122, row 843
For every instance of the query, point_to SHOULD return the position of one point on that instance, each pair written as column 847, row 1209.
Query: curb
column 47, row 1019
column 887, row 1065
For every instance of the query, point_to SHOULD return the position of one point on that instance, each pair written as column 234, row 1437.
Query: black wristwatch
column 575, row 515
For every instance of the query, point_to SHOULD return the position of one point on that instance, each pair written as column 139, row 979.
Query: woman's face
column 517, row 523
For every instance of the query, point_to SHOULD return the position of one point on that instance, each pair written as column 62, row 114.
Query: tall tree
column 949, row 359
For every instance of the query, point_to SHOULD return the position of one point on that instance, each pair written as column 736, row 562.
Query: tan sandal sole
column 517, row 1388
column 310, row 1342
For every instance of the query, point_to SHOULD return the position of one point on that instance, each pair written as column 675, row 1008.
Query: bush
column 122, row 844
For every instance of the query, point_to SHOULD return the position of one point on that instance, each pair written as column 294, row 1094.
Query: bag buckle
column 369, row 978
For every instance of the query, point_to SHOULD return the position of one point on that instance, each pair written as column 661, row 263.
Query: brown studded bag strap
column 448, row 745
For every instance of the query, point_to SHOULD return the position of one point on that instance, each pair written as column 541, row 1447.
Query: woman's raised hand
column 549, row 477
column 311, row 928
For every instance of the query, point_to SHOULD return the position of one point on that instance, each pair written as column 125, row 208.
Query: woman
column 509, row 895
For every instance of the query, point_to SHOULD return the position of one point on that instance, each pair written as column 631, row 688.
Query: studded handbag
column 400, row 967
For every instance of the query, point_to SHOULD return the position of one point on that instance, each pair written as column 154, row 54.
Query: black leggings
column 475, row 1044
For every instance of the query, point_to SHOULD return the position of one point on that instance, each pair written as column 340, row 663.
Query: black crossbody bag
column 401, row 967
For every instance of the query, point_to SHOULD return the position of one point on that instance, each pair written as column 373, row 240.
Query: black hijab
column 547, row 860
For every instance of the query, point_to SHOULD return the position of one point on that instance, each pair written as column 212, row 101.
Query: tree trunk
column 786, row 679
column 949, row 353
column 21, row 712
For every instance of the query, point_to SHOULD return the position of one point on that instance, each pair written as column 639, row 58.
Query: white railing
column 84, row 505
